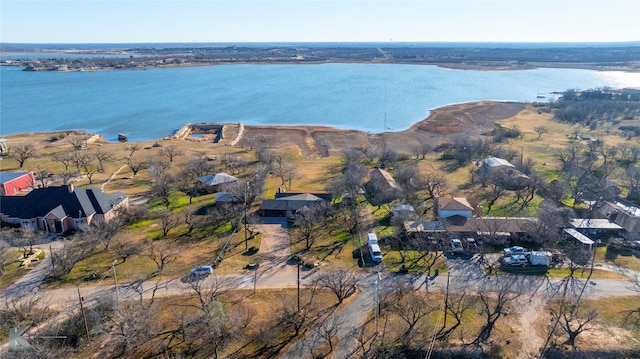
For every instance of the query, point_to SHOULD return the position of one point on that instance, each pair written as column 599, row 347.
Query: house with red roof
column 13, row 182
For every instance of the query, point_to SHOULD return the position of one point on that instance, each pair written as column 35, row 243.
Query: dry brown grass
column 614, row 329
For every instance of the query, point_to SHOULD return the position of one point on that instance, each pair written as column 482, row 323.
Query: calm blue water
column 151, row 104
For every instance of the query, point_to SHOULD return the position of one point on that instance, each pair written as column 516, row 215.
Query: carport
column 586, row 242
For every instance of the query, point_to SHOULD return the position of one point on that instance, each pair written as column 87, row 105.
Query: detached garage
column 14, row 182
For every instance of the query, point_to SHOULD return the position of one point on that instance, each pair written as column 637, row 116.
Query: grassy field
column 615, row 257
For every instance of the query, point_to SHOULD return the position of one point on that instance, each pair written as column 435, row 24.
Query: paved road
column 276, row 272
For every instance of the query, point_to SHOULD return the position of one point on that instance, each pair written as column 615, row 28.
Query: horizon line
column 323, row 42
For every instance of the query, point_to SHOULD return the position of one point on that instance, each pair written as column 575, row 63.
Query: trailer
column 540, row 258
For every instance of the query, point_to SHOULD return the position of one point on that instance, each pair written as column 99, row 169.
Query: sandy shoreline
column 470, row 119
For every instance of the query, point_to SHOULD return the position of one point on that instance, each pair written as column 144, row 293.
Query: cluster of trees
column 597, row 107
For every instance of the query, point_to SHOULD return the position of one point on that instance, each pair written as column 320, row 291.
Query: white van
column 372, row 238
column 374, row 248
column 376, row 254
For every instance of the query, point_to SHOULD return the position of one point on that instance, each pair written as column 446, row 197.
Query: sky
column 145, row 21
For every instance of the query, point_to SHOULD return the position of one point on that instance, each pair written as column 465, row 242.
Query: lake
column 150, row 104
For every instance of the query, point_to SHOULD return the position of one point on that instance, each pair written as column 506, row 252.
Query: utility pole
column 298, row 285
column 375, row 301
column 115, row 279
column 255, row 279
column 84, row 317
column 246, row 200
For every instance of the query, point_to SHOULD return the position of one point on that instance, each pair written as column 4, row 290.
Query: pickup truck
column 515, row 250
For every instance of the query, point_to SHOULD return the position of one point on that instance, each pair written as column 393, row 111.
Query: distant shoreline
column 623, row 57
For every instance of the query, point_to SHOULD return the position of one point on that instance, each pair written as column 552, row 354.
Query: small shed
column 404, row 211
column 423, row 229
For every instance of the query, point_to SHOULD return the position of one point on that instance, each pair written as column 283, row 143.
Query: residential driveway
column 30, row 282
column 275, row 269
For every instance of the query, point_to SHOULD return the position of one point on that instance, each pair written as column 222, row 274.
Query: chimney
column 70, row 187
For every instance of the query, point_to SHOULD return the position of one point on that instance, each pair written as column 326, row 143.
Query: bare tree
column 494, row 304
column 342, row 283
column 329, row 329
column 168, row 221
column 66, row 177
column 287, row 173
column 190, row 220
column 456, row 305
column 26, row 310
column 134, row 165
column 171, row 152
column 103, row 232
column 411, row 307
column 632, row 183
column 421, row 149
column 233, row 164
column 66, row 257
column 22, row 152
column 540, row 130
column 573, row 321
column 298, row 318
column 26, row 238
column 124, row 247
column 6, row 255
column 65, row 158
column 131, row 326
column 199, row 166
column 308, row 223
column 163, row 183
column 209, row 292
column 41, row 175
column 77, row 140
column 102, row 157
column 81, row 160
column 365, row 342
column 161, row 254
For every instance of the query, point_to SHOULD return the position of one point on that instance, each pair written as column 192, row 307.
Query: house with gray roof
column 625, row 214
column 288, row 206
column 217, row 182
column 498, row 169
column 61, row 208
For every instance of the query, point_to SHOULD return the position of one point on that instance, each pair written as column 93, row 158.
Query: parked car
column 471, row 245
column 515, row 250
column 201, row 271
column 516, row 260
column 456, row 245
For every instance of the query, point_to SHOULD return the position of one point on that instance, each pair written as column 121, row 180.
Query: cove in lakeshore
column 151, row 104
